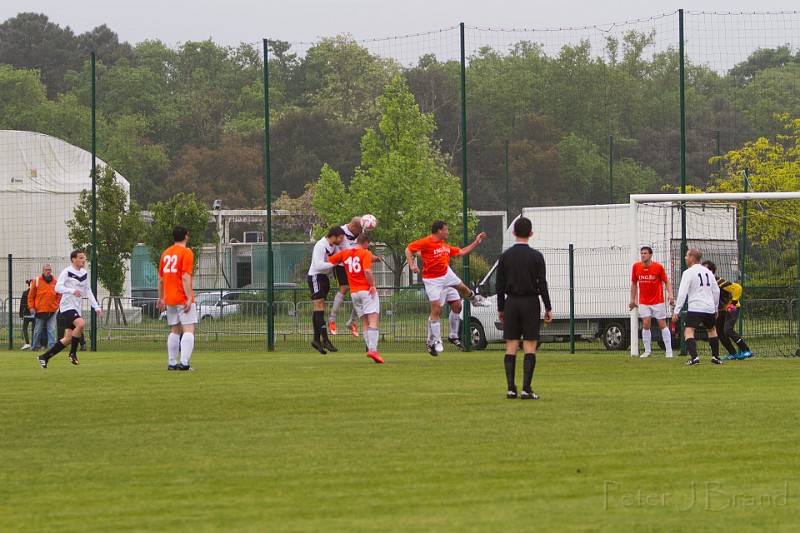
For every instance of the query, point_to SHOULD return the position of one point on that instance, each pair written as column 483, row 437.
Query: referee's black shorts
column 341, row 275
column 694, row 319
column 522, row 318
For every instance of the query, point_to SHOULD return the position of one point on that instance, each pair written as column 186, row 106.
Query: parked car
column 145, row 298
column 214, row 305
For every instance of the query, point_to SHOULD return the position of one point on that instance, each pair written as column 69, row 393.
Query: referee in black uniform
column 520, row 283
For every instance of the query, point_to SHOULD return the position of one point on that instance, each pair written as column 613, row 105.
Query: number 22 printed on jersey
column 170, row 264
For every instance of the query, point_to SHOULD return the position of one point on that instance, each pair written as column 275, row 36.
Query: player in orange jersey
column 438, row 276
column 649, row 277
column 176, row 296
column 357, row 262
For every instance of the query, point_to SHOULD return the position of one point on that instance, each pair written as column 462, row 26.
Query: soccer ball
column 368, row 222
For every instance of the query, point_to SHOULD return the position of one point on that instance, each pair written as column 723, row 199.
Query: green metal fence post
column 95, row 267
column 267, row 184
column 465, row 324
column 505, row 145
column 10, row 299
column 571, row 298
column 744, row 245
column 611, row 169
column 682, row 98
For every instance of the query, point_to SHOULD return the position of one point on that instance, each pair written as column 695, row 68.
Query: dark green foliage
column 118, row 230
column 183, row 209
column 165, row 112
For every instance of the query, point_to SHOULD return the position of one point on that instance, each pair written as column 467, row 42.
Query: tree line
column 582, row 125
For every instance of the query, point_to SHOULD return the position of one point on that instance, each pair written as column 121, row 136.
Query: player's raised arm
column 467, row 249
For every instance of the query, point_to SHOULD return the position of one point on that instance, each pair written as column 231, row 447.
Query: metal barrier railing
column 770, row 324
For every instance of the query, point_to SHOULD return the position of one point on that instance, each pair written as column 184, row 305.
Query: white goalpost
column 655, row 220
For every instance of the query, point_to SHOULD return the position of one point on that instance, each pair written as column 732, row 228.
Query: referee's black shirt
column 521, row 272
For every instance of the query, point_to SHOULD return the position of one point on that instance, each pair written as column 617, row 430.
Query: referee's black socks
column 713, row 342
column 527, row 366
column 691, row 347
column 510, row 362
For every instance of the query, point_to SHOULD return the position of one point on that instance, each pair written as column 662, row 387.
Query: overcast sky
column 230, row 22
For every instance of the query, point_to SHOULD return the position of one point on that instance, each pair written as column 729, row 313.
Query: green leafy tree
column 31, row 41
column 183, row 209
column 402, row 180
column 22, row 93
column 119, row 227
column 771, row 166
column 344, row 78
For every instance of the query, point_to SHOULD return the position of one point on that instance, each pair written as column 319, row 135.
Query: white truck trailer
column 602, row 258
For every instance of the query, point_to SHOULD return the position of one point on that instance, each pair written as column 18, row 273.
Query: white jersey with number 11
column 700, row 288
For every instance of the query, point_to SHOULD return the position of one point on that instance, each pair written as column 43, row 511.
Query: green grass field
column 304, row 442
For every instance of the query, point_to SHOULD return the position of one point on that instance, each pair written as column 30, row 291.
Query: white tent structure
column 41, row 178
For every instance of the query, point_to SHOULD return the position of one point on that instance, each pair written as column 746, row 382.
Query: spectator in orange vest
column 43, row 302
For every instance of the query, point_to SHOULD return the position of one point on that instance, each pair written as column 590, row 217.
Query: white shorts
column 435, row 286
column 659, row 312
column 448, row 296
column 175, row 315
column 365, row 304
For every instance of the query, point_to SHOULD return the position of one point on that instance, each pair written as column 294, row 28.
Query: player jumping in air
column 438, row 276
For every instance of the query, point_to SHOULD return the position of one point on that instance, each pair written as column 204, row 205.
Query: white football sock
column 666, row 336
column 187, row 345
column 436, row 330
column 455, row 325
column 173, row 345
column 372, row 339
column 338, row 300
column 647, row 339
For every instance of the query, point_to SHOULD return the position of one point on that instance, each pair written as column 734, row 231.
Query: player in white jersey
column 73, row 284
column 700, row 293
column 351, row 232
column 319, row 284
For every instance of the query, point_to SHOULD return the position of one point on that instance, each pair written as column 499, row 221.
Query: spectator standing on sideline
column 175, row 294
column 25, row 314
column 351, row 232
column 700, row 293
column 43, row 301
column 730, row 295
column 72, row 285
column 438, row 276
column 521, row 282
column 648, row 277
column 364, row 293
column 320, row 285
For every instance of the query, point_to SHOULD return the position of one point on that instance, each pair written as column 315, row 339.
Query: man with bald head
column 700, row 293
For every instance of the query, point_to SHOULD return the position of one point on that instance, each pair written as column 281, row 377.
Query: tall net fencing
column 742, row 73
column 572, row 116
column 555, row 117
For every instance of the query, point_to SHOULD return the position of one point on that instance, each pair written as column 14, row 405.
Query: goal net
column 753, row 240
